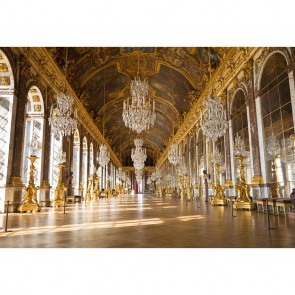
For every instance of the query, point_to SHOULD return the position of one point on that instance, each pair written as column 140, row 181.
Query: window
column 34, row 124
column 84, row 164
column 277, row 118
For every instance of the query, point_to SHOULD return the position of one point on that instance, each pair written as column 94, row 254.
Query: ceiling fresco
column 101, row 79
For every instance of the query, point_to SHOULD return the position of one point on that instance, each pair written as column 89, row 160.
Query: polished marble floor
column 145, row 221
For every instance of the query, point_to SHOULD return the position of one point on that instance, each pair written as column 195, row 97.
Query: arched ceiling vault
column 172, row 73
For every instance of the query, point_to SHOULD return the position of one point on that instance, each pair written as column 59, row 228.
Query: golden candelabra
column 181, row 186
column 108, row 191
column 88, row 191
column 29, row 202
column 219, row 198
column 96, row 191
column 243, row 200
column 189, row 190
column 59, row 192
column 168, row 191
column 274, row 187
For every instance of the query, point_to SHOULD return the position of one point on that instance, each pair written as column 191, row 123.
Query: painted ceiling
column 101, row 78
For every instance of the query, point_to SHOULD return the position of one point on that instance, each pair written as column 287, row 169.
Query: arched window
column 276, row 111
column 6, row 105
column 76, row 161
column 34, row 125
column 239, row 119
column 84, row 163
column 56, row 145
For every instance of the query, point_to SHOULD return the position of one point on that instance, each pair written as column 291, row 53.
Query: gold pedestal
column 219, row 202
column 219, row 198
column 244, row 205
column 59, row 193
column 28, row 207
column 29, row 202
column 243, row 200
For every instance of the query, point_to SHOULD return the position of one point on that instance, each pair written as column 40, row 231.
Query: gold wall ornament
column 36, row 98
column 1, row 57
column 59, row 192
column 3, row 68
column 30, row 202
column 4, row 81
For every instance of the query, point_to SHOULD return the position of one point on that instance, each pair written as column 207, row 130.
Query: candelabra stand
column 168, row 191
column 243, row 200
column 88, row 191
column 219, row 189
column 30, row 203
column 59, row 192
column 274, row 187
column 96, row 191
column 108, row 190
column 181, row 186
column 189, row 191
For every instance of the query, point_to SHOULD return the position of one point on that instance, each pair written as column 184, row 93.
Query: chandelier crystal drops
column 120, row 173
column 182, row 169
column 139, row 113
column 138, row 155
column 63, row 115
column 35, row 145
column 173, row 155
column 61, row 156
column 217, row 157
column 273, row 147
column 138, row 175
column 213, row 123
column 104, row 156
column 239, row 147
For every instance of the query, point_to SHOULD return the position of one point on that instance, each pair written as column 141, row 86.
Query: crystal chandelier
column 35, row 145
column 239, row 147
column 138, row 175
column 120, row 173
column 156, row 175
column 103, row 156
column 63, row 114
column 273, row 147
column 173, row 155
column 181, row 171
column 61, row 156
column 138, row 155
column 217, row 157
column 213, row 123
column 139, row 113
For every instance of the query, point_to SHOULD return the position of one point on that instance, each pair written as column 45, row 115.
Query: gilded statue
column 88, row 192
column 95, row 192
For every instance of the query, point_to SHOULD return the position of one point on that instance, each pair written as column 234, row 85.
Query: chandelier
column 120, row 173
column 138, row 175
column 217, row 157
column 239, row 147
column 173, row 155
column 138, row 155
column 61, row 156
column 182, row 169
column 63, row 114
column 103, row 156
column 139, row 113
column 35, row 145
column 273, row 147
column 213, row 123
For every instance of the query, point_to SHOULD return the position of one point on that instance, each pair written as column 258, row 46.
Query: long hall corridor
column 145, row 221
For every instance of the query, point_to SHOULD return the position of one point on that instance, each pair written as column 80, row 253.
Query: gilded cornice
column 231, row 66
column 41, row 59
